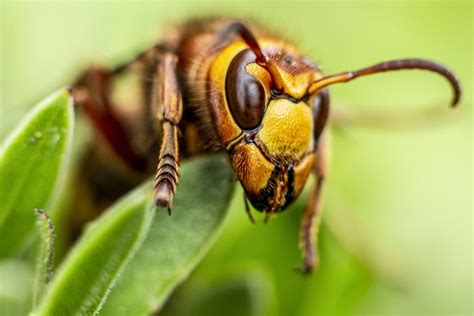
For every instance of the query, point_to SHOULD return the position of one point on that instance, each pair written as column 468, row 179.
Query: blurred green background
column 400, row 202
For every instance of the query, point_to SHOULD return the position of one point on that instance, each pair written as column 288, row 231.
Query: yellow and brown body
column 220, row 84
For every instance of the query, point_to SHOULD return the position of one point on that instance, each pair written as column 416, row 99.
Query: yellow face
column 270, row 138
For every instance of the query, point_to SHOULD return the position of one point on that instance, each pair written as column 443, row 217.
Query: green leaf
column 111, row 268
column 15, row 287
column 86, row 278
column 44, row 264
column 33, row 158
column 178, row 242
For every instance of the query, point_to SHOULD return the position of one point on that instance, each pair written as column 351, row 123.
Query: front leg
column 312, row 216
column 92, row 95
column 167, row 104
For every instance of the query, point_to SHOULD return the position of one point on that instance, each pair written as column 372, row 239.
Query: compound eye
column 245, row 94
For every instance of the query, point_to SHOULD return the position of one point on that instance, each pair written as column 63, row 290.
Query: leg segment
column 312, row 215
column 248, row 210
column 144, row 58
column 310, row 227
column 91, row 94
column 166, row 102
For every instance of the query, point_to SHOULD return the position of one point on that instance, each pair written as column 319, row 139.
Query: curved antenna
column 391, row 66
column 262, row 59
